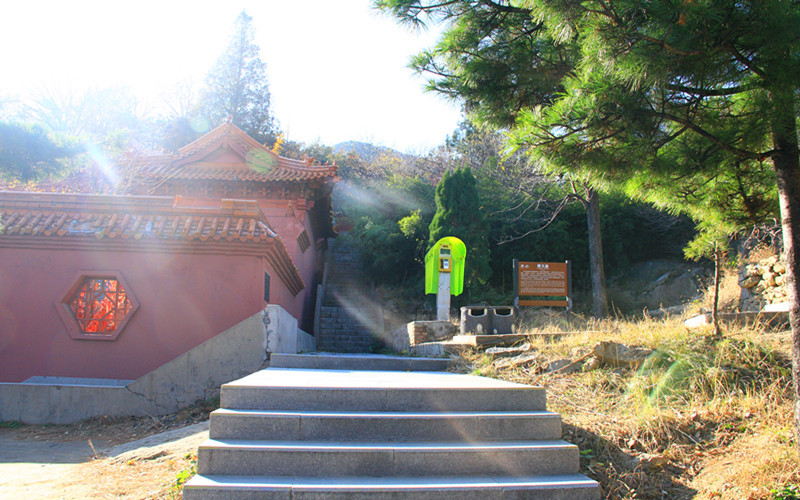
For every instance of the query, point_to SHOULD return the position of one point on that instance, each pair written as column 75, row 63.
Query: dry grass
column 134, row 479
column 729, row 292
column 702, row 418
column 153, row 473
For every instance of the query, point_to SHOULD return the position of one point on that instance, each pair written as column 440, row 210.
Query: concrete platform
column 343, row 361
column 356, row 390
column 376, row 379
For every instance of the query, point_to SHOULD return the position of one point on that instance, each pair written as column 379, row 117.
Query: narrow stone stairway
column 350, row 317
column 300, row 433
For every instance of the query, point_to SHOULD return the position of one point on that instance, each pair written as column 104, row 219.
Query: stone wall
column 762, row 284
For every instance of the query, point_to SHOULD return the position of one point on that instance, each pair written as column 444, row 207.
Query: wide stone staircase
column 350, row 318
column 300, row 433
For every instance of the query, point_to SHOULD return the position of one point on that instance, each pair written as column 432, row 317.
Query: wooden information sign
column 543, row 279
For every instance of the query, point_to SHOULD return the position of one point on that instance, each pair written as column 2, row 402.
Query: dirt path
column 52, row 464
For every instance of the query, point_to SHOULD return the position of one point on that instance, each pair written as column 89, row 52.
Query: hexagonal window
column 97, row 306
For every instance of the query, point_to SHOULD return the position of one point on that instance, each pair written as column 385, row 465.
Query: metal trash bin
column 503, row 320
column 474, row 320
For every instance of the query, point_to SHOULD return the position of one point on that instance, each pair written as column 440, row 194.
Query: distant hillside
column 368, row 152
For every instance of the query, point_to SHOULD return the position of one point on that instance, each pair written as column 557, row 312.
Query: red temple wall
column 185, row 299
column 288, row 224
column 308, row 263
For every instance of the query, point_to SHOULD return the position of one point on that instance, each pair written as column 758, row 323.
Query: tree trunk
column 787, row 170
column 715, row 306
column 599, row 298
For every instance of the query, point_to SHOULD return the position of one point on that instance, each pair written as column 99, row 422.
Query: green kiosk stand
column 444, row 273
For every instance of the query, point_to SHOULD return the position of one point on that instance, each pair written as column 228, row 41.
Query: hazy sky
column 337, row 69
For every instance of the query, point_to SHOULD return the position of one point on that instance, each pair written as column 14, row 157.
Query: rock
column 579, row 352
column 651, row 270
column 668, row 311
column 751, row 270
column 503, row 352
column 778, row 268
column 768, row 278
column 750, row 281
column 619, row 355
column 563, row 365
column 521, row 360
column 653, row 462
column 592, row 364
column 698, row 321
column 660, row 281
column 780, row 279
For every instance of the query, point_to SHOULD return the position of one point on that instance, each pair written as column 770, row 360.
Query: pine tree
column 27, row 153
column 237, row 86
column 498, row 60
column 459, row 213
column 669, row 96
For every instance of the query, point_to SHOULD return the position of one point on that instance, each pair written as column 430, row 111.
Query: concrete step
column 340, row 390
column 294, row 433
column 358, row 362
column 330, row 342
column 334, row 324
column 346, row 339
column 381, row 459
column 384, row 426
column 560, row 487
column 344, row 333
column 347, row 348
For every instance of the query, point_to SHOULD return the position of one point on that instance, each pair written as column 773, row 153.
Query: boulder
column 750, row 281
column 672, row 292
column 619, row 355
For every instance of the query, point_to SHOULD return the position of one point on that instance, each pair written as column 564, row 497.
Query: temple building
column 109, row 290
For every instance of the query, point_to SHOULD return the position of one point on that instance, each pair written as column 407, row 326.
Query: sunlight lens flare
column 100, row 159
column 199, row 124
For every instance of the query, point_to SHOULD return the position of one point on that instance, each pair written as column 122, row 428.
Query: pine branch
column 709, row 92
column 716, row 140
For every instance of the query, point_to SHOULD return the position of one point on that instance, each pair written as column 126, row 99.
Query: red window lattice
column 99, row 305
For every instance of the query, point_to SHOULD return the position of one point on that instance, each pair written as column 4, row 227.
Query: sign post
column 543, row 279
column 444, row 273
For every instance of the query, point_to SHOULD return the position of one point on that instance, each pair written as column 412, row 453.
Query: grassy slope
column 702, row 418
